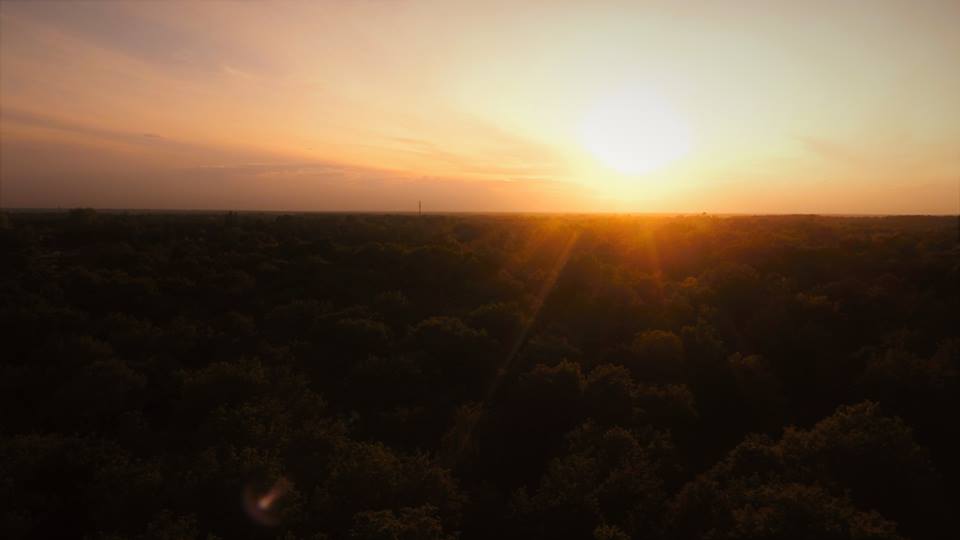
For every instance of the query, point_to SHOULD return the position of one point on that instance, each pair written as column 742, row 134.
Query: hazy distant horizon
column 400, row 212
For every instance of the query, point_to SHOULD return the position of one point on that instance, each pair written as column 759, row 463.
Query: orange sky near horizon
column 776, row 107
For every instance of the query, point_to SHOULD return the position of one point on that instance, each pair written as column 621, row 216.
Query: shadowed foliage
column 404, row 377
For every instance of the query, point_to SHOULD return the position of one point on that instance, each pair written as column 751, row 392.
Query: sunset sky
column 747, row 107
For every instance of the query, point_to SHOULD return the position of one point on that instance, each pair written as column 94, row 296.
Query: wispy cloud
column 128, row 30
column 831, row 150
column 43, row 121
column 66, row 171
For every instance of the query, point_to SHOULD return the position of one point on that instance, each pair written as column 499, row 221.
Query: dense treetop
column 435, row 377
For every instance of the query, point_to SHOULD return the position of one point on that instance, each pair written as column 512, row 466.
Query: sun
column 633, row 133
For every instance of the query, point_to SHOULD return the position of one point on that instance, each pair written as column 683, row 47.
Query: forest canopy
column 307, row 376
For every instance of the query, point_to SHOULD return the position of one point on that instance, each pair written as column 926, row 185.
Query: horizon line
column 113, row 210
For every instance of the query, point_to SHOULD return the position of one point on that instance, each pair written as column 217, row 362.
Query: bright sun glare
column 633, row 133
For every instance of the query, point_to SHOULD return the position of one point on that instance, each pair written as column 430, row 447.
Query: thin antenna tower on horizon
column 419, row 208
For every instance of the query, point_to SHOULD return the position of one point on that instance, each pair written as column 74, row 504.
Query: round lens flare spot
column 261, row 506
column 633, row 133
